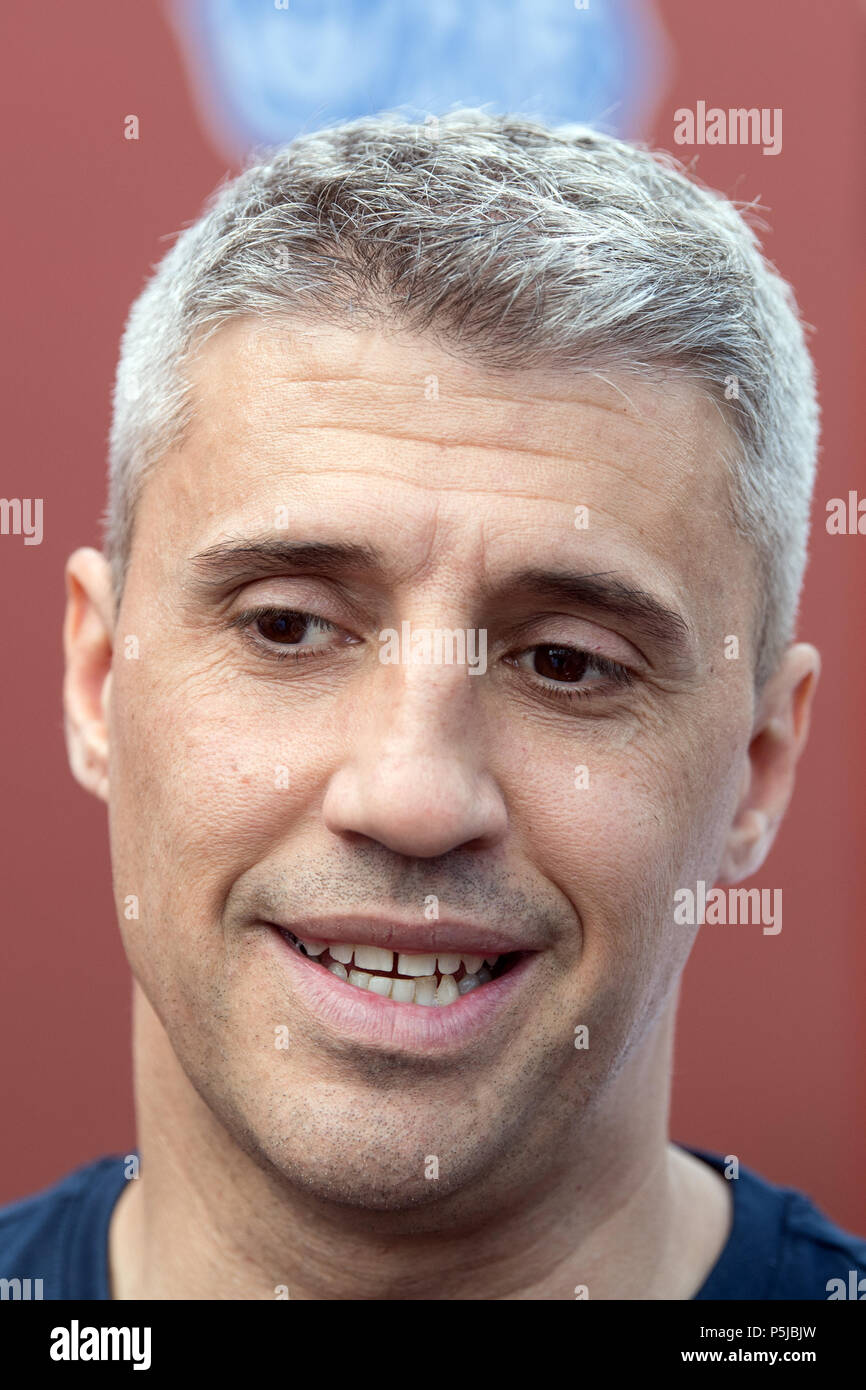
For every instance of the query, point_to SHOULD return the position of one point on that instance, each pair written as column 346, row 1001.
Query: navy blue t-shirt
column 780, row 1246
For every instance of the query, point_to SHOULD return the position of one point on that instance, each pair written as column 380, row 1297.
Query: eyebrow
column 238, row 562
column 605, row 591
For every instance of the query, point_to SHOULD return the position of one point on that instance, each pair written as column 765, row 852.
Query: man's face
column 278, row 773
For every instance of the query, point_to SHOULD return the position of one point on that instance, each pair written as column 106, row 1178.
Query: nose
column 415, row 778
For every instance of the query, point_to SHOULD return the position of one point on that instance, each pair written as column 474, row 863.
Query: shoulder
column 42, row 1236
column 819, row 1259
column 782, row 1246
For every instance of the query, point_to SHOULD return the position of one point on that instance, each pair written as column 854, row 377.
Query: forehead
column 391, row 438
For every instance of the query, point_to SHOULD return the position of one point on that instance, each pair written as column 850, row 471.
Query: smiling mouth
column 405, row 977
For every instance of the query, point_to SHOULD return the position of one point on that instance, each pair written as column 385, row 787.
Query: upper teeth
column 408, row 962
column 415, row 979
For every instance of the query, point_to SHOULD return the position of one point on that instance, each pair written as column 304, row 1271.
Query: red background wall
column 770, row 1061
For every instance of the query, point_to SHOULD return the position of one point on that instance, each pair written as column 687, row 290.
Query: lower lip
column 357, row 1014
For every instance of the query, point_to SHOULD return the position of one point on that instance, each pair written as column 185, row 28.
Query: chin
column 348, row 1156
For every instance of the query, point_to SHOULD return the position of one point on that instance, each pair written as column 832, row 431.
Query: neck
column 616, row 1211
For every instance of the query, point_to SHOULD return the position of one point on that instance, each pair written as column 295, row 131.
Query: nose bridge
column 427, row 697
column 414, row 777
column 424, row 726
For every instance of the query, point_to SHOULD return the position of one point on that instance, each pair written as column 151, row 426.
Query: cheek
column 622, row 823
column 211, row 783
column 212, row 774
column 201, row 789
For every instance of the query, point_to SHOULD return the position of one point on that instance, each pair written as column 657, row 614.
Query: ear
column 88, row 637
column 778, row 738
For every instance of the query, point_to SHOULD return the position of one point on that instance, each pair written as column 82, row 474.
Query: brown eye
column 287, row 632
column 567, row 673
column 287, row 628
column 560, row 663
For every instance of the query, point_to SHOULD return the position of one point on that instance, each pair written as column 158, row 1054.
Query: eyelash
column 246, row 622
column 617, row 674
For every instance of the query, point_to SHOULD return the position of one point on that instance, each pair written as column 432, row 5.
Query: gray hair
column 514, row 245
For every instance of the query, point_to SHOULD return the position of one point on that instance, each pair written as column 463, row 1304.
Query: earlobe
column 88, row 646
column 749, row 841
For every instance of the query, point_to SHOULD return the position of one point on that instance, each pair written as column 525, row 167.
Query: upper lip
column 444, row 935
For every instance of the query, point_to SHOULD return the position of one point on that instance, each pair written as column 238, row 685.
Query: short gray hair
column 514, row 245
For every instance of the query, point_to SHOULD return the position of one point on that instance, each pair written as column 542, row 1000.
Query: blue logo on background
column 265, row 73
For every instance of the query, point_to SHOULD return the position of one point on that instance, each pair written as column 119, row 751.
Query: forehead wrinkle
column 452, row 434
column 629, row 470
column 628, row 466
column 438, row 443
column 679, row 432
column 407, row 387
column 684, row 392
column 236, row 339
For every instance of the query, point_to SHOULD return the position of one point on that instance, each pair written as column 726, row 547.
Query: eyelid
column 593, row 639
column 273, row 610
column 306, row 593
column 249, row 615
column 597, row 660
